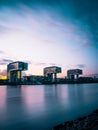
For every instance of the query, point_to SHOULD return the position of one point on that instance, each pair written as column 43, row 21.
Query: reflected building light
column 2, row 98
column 33, row 99
column 64, row 94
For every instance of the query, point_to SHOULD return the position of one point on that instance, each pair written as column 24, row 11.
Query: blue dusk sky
column 46, row 33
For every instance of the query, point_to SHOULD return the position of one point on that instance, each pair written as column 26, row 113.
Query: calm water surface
column 40, row 107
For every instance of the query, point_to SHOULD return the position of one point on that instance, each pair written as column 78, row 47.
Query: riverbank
column 89, row 122
column 81, row 80
column 39, row 83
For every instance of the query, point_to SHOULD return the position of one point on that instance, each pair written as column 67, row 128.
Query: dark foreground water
column 40, row 107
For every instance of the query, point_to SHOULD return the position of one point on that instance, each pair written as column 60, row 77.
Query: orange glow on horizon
column 3, row 77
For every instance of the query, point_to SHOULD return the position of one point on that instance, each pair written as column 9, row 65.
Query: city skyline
column 49, row 33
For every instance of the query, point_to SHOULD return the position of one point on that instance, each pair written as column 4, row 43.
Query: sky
column 46, row 33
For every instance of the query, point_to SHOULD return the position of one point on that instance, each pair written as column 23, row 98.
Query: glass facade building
column 14, row 70
column 50, row 73
column 74, row 73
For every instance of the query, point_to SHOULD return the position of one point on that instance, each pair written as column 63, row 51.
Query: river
column 40, row 107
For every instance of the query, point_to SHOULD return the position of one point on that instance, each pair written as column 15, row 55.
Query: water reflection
column 56, row 95
column 2, row 98
column 33, row 99
column 13, row 110
column 43, row 106
column 76, row 94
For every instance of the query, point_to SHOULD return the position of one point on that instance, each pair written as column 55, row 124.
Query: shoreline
column 30, row 83
column 88, row 122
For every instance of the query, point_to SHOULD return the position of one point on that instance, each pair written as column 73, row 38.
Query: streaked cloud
column 76, row 66
column 3, row 28
column 53, row 64
column 81, row 65
column 5, row 61
column 46, row 64
column 47, row 31
column 40, row 64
